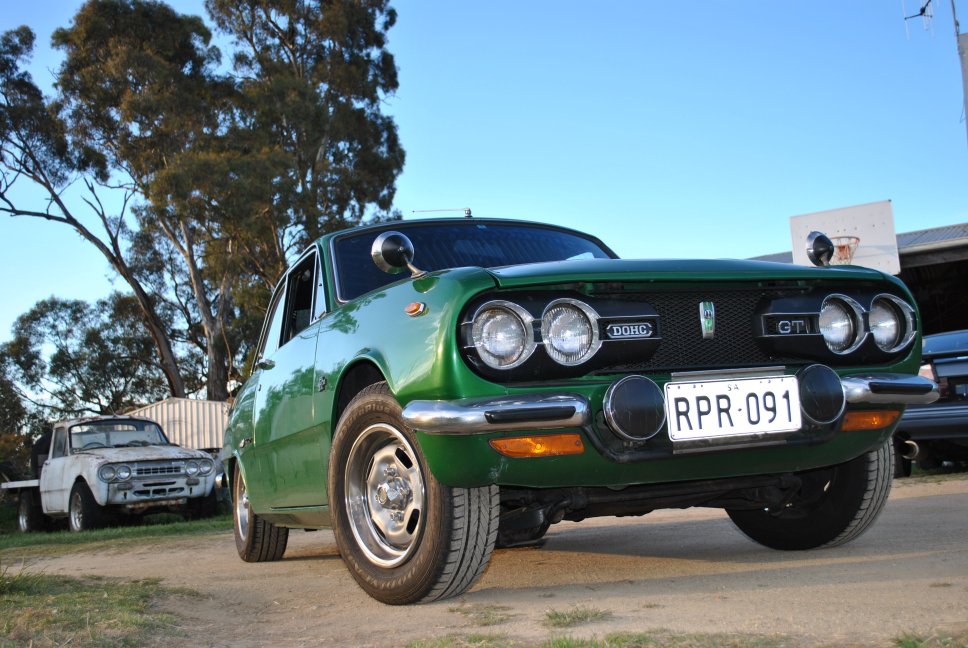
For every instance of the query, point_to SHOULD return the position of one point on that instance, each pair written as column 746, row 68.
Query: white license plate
column 725, row 408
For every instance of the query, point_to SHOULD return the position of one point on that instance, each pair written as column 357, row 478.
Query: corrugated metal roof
column 189, row 422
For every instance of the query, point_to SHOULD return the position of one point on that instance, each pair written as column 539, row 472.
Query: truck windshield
column 115, row 434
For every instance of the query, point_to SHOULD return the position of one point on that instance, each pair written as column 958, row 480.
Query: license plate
column 726, row 408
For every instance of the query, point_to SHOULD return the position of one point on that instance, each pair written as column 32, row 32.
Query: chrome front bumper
column 555, row 411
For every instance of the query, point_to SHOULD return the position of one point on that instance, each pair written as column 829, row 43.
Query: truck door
column 54, row 492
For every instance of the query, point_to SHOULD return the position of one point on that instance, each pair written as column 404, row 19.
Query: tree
column 71, row 358
column 227, row 175
column 35, row 148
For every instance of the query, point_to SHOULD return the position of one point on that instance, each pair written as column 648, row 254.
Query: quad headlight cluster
column 503, row 333
column 890, row 322
column 123, row 472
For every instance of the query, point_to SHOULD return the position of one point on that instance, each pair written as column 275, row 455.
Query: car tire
column 30, row 514
column 83, row 511
column 256, row 539
column 834, row 506
column 404, row 536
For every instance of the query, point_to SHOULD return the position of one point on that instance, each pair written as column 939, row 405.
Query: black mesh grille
column 683, row 347
column 147, row 470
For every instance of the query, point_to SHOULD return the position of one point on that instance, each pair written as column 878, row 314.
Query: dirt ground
column 682, row 571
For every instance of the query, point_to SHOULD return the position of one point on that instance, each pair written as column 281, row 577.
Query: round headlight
column 124, row 473
column 191, row 468
column 840, row 324
column 107, row 473
column 569, row 330
column 206, row 466
column 891, row 322
column 502, row 334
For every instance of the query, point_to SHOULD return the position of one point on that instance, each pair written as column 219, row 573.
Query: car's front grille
column 683, row 347
column 158, row 468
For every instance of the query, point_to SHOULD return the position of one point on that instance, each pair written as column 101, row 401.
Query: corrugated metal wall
column 188, row 422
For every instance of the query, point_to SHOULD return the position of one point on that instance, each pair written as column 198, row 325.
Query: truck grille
column 159, row 468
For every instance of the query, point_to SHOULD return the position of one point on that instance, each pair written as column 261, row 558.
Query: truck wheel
column 255, row 539
column 30, row 515
column 834, row 506
column 404, row 536
column 84, row 513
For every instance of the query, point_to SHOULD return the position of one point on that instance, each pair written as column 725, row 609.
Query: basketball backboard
column 872, row 224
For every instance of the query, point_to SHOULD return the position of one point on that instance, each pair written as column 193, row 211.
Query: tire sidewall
column 243, row 543
column 827, row 520
column 414, row 577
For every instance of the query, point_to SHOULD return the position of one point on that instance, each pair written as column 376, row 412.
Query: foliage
column 84, row 358
column 224, row 177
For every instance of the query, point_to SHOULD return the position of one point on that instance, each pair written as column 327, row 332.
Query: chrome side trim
column 499, row 414
column 890, row 389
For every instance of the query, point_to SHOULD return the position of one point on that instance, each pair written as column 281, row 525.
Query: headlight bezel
column 904, row 318
column 113, row 473
column 592, row 318
column 516, row 311
column 854, row 314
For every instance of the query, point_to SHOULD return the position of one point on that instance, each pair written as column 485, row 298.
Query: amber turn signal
column 551, row 445
column 869, row 420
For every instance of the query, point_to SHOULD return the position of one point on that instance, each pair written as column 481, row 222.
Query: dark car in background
column 937, row 433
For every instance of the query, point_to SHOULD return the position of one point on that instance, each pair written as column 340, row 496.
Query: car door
column 54, row 486
column 287, row 446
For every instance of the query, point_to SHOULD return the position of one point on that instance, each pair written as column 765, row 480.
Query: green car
column 432, row 389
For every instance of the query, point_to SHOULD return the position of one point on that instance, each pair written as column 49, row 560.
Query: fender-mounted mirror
column 392, row 252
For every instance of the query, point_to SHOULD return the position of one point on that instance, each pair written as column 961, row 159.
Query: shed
column 189, row 422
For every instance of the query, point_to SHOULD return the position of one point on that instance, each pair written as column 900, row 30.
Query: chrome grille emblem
column 707, row 319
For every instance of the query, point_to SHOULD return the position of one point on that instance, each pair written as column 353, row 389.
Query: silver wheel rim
column 77, row 516
column 23, row 518
column 242, row 509
column 385, row 497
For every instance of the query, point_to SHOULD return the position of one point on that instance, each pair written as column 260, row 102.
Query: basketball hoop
column 844, row 248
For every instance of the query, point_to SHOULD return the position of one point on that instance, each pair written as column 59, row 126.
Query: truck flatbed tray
column 27, row 483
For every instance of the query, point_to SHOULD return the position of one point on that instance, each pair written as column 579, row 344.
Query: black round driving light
column 634, row 408
column 822, row 398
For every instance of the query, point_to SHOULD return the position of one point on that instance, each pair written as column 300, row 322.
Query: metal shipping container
column 188, row 422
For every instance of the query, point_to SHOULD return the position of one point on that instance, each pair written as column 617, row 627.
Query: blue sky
column 667, row 129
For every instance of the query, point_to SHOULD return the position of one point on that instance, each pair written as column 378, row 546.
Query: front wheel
column 404, row 536
column 834, row 505
column 84, row 513
column 255, row 539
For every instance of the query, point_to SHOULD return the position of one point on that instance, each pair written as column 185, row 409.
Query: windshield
column 438, row 246
column 115, row 434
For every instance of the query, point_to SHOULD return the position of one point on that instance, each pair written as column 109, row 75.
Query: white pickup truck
column 98, row 469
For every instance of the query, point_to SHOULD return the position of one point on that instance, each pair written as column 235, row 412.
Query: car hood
column 141, row 453
column 668, row 270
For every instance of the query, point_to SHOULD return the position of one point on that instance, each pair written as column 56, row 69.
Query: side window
column 273, row 326
column 58, row 447
column 300, row 294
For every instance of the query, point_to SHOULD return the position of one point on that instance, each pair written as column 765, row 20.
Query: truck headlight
column 569, row 330
column 503, row 334
column 205, row 466
column 107, row 473
column 191, row 468
column 124, row 473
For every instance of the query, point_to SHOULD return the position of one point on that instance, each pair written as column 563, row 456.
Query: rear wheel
column 255, row 539
column 834, row 506
column 30, row 515
column 404, row 536
column 84, row 513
